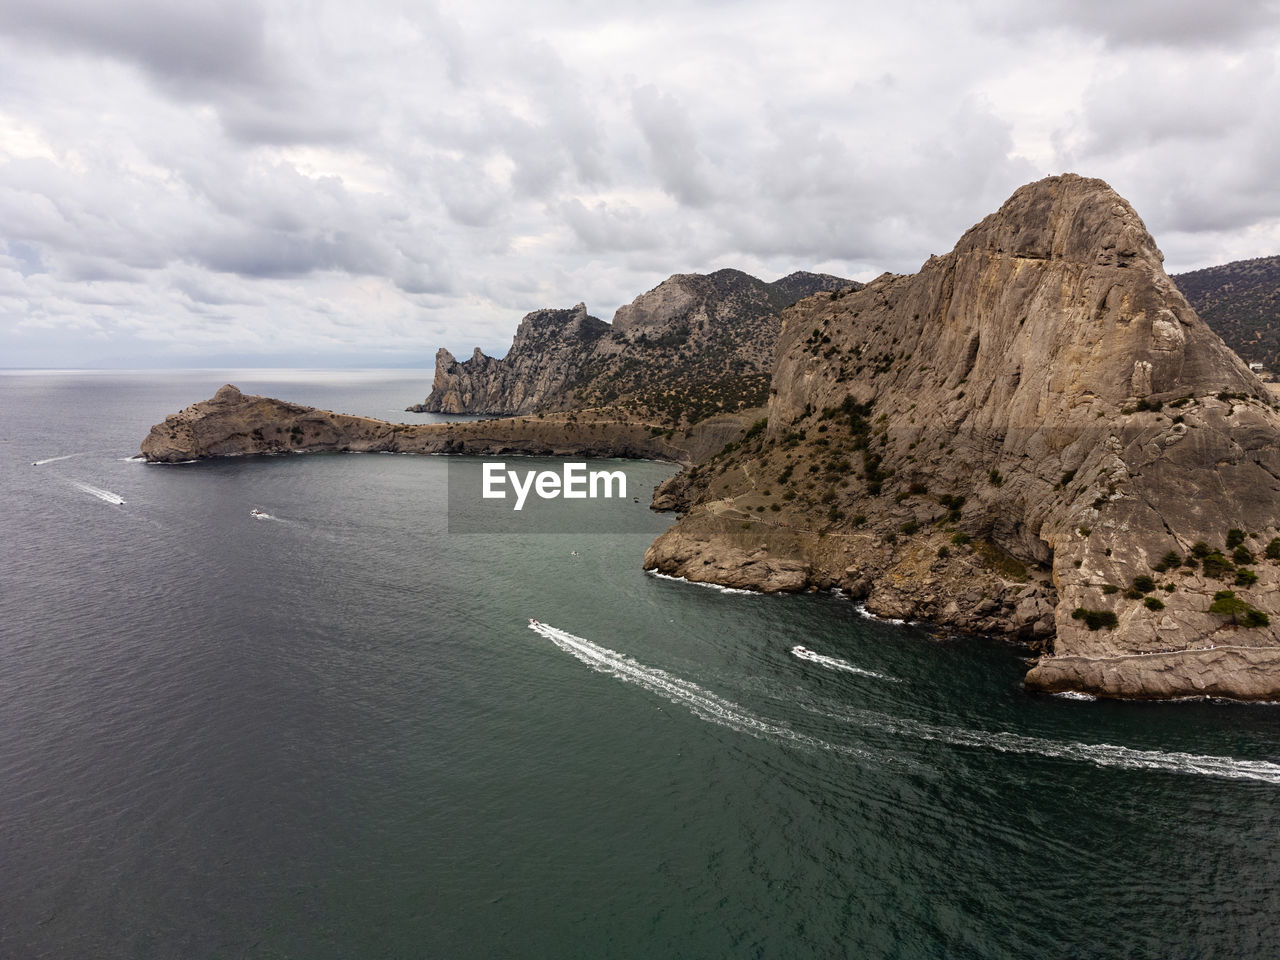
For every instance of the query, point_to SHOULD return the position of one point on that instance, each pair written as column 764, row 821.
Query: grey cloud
column 266, row 254
column 1138, row 23
column 606, row 227
column 78, row 268
column 673, row 146
column 187, row 46
column 210, row 291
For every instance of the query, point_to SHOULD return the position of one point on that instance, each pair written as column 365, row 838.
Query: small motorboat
column 258, row 514
column 533, row 622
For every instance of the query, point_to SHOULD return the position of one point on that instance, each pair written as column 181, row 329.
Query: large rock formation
column 692, row 347
column 1015, row 439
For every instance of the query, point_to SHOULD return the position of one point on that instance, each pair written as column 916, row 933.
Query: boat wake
column 41, row 463
column 719, row 588
column 1098, row 754
column 835, row 663
column 715, row 709
column 700, row 702
column 104, row 495
column 263, row 515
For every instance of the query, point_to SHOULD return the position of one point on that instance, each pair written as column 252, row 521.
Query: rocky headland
column 1035, row 436
column 232, row 424
column 693, row 347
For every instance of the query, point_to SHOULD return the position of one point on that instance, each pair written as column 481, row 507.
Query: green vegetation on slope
column 1241, row 302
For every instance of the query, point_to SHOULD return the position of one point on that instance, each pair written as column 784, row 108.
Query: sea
column 333, row 732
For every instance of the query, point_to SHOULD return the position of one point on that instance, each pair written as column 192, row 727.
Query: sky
column 200, row 183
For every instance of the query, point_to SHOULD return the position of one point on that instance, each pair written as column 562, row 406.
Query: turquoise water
column 334, row 733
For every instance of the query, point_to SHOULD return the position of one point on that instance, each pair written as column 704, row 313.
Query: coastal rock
column 1041, row 405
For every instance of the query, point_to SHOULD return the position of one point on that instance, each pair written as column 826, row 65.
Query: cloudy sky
column 302, row 182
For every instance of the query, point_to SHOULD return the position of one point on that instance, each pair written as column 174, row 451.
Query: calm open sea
column 333, row 733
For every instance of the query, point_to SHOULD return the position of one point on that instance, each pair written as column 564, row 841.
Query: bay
column 334, row 733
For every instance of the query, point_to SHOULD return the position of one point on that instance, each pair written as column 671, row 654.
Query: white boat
column 259, row 514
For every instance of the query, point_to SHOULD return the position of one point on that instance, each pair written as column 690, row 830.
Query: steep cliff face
column 692, row 347
column 549, row 349
column 1014, row 439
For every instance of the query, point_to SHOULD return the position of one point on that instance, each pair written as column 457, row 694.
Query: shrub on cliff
column 1096, row 619
column 1227, row 604
column 1216, row 565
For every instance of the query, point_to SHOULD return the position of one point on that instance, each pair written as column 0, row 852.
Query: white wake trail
column 719, row 588
column 1098, row 754
column 98, row 492
column 41, row 463
column 701, row 703
column 835, row 663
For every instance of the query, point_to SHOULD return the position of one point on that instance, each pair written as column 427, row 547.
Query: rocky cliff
column 1034, row 435
column 693, row 347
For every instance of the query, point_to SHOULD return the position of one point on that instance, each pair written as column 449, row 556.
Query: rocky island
column 1035, row 435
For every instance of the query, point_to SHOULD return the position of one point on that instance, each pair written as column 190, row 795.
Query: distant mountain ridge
column 693, row 346
column 1241, row 302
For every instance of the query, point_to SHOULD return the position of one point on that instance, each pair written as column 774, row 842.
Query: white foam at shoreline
column 868, row 615
column 835, row 663
column 701, row 703
column 105, row 495
column 699, row 583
